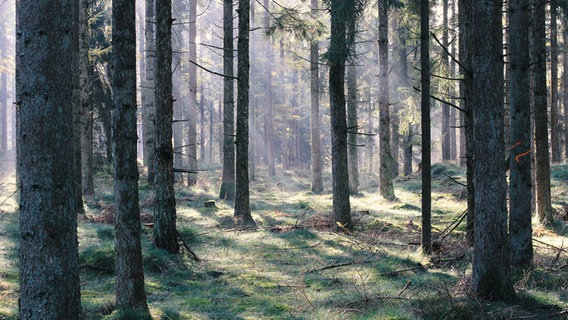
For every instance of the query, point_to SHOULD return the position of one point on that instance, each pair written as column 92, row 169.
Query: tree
column 425, row 123
column 128, row 249
column 520, row 227
column 86, row 107
column 542, row 156
column 46, row 48
column 491, row 277
column 242, row 215
column 352, row 128
column 227, row 191
column 165, row 234
column 386, row 187
column 446, row 141
column 149, row 109
column 337, row 55
column 554, row 117
column 317, row 181
column 192, row 120
column 269, row 114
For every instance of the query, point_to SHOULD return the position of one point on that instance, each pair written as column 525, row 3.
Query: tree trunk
column 165, row 234
column 520, row 226
column 4, row 109
column 317, row 180
column 192, row 107
column 452, row 92
column 201, row 124
column 227, row 191
column 446, row 145
column 178, row 117
column 466, row 42
column 425, row 123
column 491, row 277
column 46, row 51
column 352, row 128
column 128, row 249
column 370, row 143
column 556, row 150
column 386, row 187
column 88, row 185
column 542, row 156
column 565, row 81
column 149, row 111
column 337, row 55
column 269, row 116
column 242, row 215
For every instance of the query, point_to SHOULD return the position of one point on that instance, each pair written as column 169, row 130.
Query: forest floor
column 294, row 266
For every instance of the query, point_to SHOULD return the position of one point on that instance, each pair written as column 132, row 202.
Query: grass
column 293, row 266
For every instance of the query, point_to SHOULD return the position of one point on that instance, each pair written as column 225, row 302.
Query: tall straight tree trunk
column 491, row 277
column 242, row 215
column 565, row 81
column 556, row 150
column 466, row 122
column 227, row 191
column 542, row 156
column 201, row 124
column 386, row 187
column 370, row 140
column 88, row 185
column 165, row 234
column 4, row 110
column 337, row 56
column 46, row 51
column 253, row 104
column 352, row 128
column 446, row 143
column 149, row 111
column 192, row 106
column 130, row 291
column 317, row 180
column 425, row 123
column 452, row 92
column 178, row 118
column 268, row 114
column 520, row 226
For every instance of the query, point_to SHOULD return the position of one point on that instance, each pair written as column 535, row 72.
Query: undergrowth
column 294, row 266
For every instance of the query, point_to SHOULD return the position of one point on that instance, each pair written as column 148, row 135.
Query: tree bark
column 337, row 56
column 316, row 165
column 192, row 107
column 491, row 277
column 520, row 226
column 88, row 185
column 446, row 143
column 386, row 187
column 269, row 116
column 242, row 215
column 130, row 291
column 425, row 123
column 556, row 150
column 46, row 56
column 352, row 128
column 165, row 235
column 542, row 155
column 149, row 107
column 227, row 191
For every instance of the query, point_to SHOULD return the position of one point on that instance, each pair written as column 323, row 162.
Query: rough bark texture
column 242, row 214
column 554, row 116
column 4, row 110
column 425, row 123
column 491, row 277
column 520, row 227
column 337, row 55
column 466, row 85
column 149, row 111
column 542, row 156
column 565, row 81
column 386, row 187
column 46, row 47
column 227, row 191
column 85, row 103
column 352, row 154
column 269, row 116
column 317, row 180
column 128, row 249
column 446, row 143
column 165, row 235
column 192, row 107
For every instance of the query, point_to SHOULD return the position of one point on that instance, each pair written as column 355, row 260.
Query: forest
column 281, row 159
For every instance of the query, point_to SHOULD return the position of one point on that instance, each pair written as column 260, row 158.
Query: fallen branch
column 193, row 255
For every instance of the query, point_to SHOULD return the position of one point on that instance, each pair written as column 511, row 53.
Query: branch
column 448, row 52
column 213, row 72
column 184, row 170
column 443, row 101
column 193, row 255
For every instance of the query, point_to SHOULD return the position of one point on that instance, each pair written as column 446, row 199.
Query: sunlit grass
column 294, row 266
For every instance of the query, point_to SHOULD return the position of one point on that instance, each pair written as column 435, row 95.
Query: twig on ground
column 193, row 255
